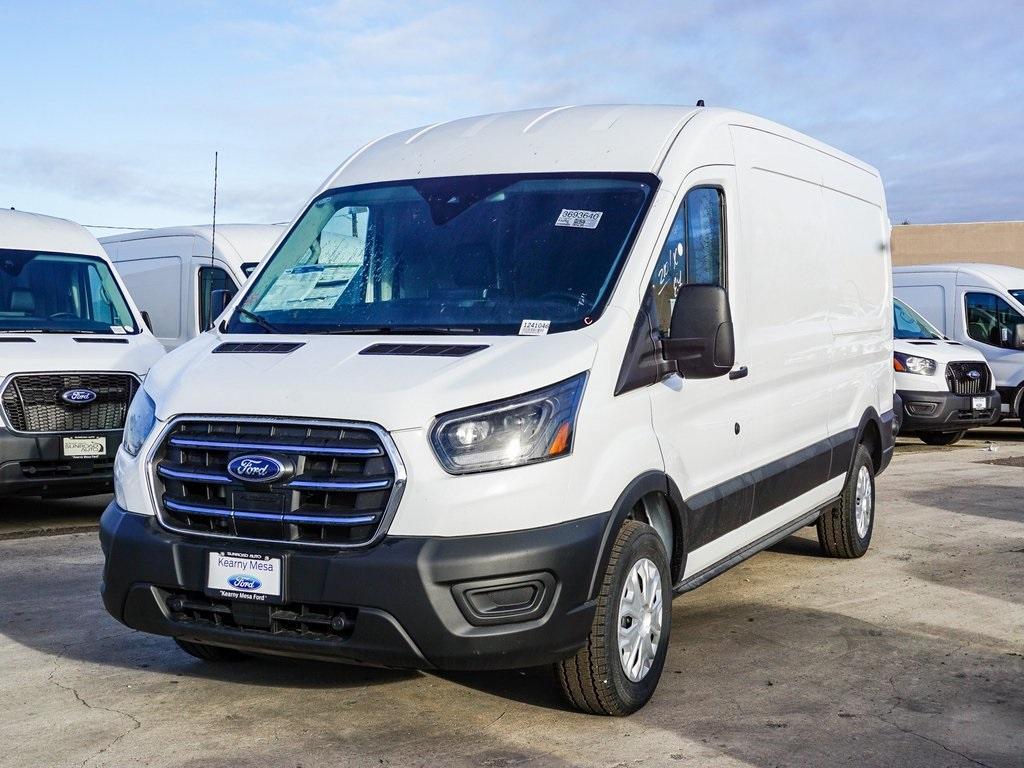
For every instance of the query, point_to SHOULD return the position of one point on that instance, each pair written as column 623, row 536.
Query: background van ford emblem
column 78, row 396
column 252, row 468
column 974, row 374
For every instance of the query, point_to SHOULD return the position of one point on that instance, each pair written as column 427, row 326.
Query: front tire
column 845, row 530
column 616, row 672
column 941, row 438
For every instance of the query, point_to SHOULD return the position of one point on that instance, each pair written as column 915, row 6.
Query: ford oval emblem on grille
column 241, row 581
column 79, row 396
column 252, row 468
column 974, row 375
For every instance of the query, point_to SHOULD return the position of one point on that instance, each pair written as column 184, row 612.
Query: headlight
column 913, row 364
column 522, row 430
column 139, row 421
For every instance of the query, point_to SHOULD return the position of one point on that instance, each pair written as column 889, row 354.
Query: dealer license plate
column 979, row 403
column 239, row 576
column 84, row 447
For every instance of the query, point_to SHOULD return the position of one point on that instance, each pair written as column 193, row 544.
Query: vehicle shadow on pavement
column 980, row 499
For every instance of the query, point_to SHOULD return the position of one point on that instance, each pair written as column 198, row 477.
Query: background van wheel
column 212, row 653
column 941, row 438
column 616, row 672
column 845, row 530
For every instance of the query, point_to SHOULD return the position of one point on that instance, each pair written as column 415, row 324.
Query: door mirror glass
column 219, row 300
column 701, row 341
column 1018, row 336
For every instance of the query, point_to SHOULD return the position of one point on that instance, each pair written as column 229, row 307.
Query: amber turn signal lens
column 561, row 442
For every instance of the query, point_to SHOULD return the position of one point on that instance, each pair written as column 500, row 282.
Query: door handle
column 739, row 373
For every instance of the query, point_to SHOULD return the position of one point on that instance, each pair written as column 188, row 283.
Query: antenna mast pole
column 213, row 235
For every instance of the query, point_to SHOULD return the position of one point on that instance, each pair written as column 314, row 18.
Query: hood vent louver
column 424, row 350
column 257, row 348
column 922, row 343
column 91, row 340
column 17, row 339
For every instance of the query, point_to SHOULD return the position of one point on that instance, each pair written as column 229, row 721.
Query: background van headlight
column 913, row 364
column 537, row 426
column 139, row 422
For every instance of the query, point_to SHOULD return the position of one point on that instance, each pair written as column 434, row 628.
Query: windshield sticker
column 579, row 219
column 534, row 327
column 309, row 286
column 118, row 329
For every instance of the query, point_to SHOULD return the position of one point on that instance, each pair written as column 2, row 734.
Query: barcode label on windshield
column 579, row 219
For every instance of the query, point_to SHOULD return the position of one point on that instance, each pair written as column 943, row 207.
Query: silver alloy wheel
column 640, row 609
column 865, row 502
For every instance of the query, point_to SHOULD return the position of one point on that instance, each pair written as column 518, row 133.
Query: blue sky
column 110, row 112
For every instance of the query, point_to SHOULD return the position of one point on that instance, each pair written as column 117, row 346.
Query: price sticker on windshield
column 534, row 327
column 579, row 219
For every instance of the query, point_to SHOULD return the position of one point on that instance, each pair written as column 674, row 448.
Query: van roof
column 1010, row 278
column 600, row 138
column 25, row 231
column 250, row 241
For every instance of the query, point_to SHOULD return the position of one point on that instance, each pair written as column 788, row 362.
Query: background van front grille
column 960, row 381
column 32, row 402
column 338, row 488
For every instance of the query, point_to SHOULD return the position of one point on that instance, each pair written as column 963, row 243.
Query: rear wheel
column 212, row 653
column 845, row 530
column 941, row 438
column 616, row 672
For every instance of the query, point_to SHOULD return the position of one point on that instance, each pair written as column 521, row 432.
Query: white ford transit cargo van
column 945, row 387
column 73, row 352
column 509, row 384
column 980, row 305
column 174, row 277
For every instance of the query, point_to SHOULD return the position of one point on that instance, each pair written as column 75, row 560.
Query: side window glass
column 211, row 279
column 991, row 320
column 694, row 252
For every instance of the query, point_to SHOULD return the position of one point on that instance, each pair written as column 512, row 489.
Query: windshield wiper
column 257, row 319
column 408, row 330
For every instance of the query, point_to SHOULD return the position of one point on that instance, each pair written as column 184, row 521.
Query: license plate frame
column 83, row 447
column 245, row 576
column 979, row 403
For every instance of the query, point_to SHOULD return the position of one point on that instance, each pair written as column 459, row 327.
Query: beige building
column 988, row 242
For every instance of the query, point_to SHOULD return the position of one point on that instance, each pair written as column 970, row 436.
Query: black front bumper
column 34, row 465
column 426, row 603
column 946, row 412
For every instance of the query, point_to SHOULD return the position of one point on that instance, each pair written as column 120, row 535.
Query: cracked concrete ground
column 910, row 656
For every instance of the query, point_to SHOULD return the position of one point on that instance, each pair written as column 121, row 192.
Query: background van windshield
column 473, row 253
column 60, row 293
column 907, row 324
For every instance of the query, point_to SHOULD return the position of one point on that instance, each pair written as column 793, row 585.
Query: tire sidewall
column 862, row 459
column 645, row 544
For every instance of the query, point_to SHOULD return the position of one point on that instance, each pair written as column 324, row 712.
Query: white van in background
column 172, row 272
column 945, row 387
column 505, row 387
column 981, row 305
column 73, row 352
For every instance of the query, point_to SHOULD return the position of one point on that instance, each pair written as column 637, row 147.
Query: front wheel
column 941, row 438
column 845, row 529
column 616, row 672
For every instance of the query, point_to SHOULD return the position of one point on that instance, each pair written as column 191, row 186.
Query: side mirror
column 219, row 300
column 1018, row 336
column 147, row 320
column 1005, row 336
column 701, row 341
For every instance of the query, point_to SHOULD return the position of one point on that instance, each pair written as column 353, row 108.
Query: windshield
column 1018, row 295
column 60, row 293
column 490, row 254
column 907, row 324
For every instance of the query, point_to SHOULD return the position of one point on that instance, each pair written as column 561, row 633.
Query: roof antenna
column 700, row 102
column 213, row 234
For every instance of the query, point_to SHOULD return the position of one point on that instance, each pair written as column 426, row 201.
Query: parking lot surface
column 910, row 656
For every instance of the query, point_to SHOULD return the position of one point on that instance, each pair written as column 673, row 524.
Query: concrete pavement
column 910, row 656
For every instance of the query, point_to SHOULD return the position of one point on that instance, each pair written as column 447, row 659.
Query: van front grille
column 339, row 485
column 968, row 378
column 33, row 402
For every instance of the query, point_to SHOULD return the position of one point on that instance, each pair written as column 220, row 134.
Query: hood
column 44, row 352
column 939, row 350
column 328, row 378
